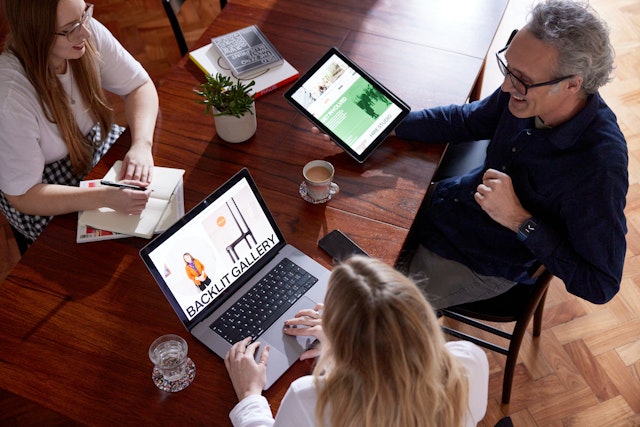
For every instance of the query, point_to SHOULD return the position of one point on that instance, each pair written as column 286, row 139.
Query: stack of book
column 246, row 55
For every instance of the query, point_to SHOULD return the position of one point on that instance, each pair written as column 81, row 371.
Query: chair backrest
column 460, row 158
column 456, row 160
column 172, row 8
column 4, row 28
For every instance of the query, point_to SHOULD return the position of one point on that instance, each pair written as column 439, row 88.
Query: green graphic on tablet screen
column 359, row 107
column 346, row 103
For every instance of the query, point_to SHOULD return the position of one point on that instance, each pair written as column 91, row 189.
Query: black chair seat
column 503, row 308
column 520, row 304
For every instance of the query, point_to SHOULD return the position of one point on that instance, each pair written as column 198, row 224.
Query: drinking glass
column 173, row 369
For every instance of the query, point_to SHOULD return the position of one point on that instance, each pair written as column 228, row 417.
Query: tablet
column 347, row 104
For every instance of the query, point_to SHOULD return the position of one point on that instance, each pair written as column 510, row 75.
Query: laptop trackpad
column 284, row 349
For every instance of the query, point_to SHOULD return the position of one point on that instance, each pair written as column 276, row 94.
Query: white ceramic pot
column 236, row 129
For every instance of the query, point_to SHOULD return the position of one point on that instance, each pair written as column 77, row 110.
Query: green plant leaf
column 221, row 95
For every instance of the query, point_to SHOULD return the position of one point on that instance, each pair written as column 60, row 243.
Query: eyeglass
column 73, row 34
column 518, row 84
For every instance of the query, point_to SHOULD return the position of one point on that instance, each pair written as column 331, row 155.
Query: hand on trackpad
column 284, row 350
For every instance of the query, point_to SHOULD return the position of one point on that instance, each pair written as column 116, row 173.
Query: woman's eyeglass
column 518, row 84
column 74, row 33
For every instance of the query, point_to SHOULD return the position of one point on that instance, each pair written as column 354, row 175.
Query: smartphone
column 339, row 245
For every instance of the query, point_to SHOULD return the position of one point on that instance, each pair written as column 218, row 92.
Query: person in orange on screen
column 195, row 271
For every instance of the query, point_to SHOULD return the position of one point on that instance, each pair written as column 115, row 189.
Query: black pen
column 129, row 186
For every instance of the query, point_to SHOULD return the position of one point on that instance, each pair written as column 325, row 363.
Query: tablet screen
column 347, row 104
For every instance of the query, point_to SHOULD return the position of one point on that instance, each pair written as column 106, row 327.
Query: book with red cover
column 208, row 59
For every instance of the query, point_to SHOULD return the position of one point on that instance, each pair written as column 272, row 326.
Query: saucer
column 303, row 192
column 176, row 385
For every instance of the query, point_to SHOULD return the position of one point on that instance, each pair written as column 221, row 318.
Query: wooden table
column 77, row 320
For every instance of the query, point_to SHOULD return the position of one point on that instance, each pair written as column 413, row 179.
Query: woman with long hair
column 383, row 360
column 55, row 121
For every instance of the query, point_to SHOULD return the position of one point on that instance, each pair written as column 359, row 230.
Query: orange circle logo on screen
column 221, row 221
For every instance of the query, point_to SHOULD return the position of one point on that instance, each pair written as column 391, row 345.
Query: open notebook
column 164, row 185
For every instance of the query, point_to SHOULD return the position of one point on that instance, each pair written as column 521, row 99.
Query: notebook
column 233, row 238
column 164, row 185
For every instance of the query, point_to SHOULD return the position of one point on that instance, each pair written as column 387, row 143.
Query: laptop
column 232, row 236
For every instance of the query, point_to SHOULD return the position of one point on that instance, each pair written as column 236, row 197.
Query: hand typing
column 307, row 323
column 247, row 376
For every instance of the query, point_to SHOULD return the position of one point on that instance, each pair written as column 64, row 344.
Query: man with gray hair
column 553, row 186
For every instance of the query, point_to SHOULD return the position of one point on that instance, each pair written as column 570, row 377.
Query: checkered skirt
column 59, row 172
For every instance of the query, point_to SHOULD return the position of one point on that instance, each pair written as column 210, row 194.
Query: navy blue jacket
column 573, row 178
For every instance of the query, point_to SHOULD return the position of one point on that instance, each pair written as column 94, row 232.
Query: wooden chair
column 518, row 305
column 172, row 8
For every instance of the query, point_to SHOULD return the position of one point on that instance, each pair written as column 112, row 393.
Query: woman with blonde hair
column 55, row 120
column 383, row 361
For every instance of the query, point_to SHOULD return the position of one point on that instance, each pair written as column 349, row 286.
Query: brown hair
column 32, row 27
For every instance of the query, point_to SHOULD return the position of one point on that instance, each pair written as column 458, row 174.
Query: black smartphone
column 339, row 245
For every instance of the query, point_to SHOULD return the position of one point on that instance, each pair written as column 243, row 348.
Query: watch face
column 526, row 229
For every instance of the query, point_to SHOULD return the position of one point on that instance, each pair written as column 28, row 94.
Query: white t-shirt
column 299, row 403
column 28, row 141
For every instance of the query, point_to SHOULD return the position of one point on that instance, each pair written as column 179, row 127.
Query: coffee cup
column 318, row 181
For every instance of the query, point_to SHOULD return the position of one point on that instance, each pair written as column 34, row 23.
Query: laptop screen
column 214, row 248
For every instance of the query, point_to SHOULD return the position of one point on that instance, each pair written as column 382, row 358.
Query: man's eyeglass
column 518, row 84
column 74, row 33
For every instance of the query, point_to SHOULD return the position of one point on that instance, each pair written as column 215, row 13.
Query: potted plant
column 232, row 106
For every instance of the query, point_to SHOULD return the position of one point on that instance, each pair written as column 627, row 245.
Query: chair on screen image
column 245, row 232
column 518, row 305
column 172, row 9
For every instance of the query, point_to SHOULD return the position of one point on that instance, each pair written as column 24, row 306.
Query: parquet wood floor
column 585, row 368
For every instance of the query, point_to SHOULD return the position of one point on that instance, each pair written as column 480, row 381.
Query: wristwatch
column 526, row 228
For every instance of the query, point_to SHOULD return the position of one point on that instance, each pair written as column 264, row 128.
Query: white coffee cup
column 318, row 177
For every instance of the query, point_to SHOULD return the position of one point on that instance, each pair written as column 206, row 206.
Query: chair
column 172, row 8
column 456, row 160
column 518, row 305
column 244, row 234
column 22, row 241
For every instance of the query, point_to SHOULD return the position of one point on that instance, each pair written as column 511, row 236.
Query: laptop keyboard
column 265, row 302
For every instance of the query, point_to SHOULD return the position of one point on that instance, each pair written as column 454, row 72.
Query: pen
column 129, row 186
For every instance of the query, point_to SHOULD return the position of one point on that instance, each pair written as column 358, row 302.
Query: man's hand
column 498, row 199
